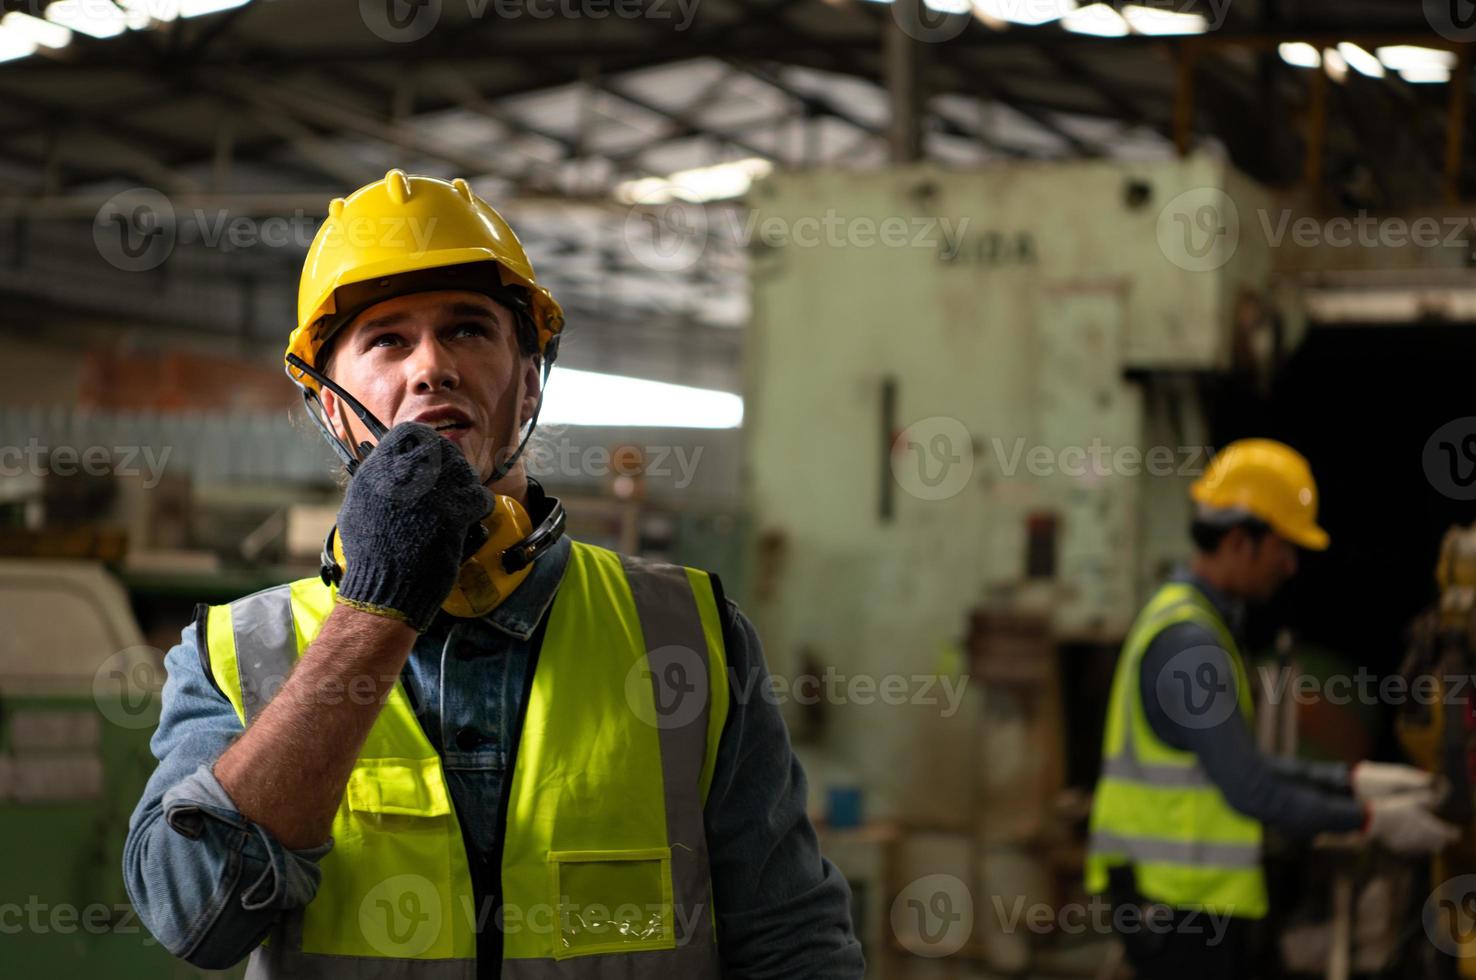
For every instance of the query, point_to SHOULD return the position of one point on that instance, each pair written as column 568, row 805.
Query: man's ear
column 331, row 412
column 532, row 389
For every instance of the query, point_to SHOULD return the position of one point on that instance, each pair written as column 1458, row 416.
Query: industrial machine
column 79, row 699
column 983, row 391
column 1438, row 731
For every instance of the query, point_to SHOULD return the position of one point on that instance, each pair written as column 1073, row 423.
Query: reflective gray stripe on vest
column 266, row 646
column 282, row 959
column 676, row 651
column 1196, row 854
column 694, row 962
column 1127, row 767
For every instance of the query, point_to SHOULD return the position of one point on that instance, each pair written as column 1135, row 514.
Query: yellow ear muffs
column 483, row 582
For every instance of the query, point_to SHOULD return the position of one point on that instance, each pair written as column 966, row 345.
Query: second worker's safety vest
column 604, row 865
column 1155, row 808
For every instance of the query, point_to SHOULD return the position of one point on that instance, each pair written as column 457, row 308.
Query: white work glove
column 1405, row 826
column 1373, row 780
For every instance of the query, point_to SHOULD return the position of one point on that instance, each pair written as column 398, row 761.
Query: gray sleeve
column 1191, row 702
column 783, row 910
column 205, row 881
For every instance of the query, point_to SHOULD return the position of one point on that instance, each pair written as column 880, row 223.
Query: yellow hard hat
column 408, row 223
column 1268, row 480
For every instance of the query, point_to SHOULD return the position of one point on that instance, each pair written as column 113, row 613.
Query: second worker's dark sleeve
column 1191, row 704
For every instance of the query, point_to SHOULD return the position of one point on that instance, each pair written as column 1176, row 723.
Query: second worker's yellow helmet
column 1268, row 480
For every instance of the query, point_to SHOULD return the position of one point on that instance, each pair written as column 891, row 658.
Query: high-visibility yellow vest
column 1155, row 808
column 604, row 866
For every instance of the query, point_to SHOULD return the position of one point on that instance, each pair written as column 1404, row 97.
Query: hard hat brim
column 1312, row 538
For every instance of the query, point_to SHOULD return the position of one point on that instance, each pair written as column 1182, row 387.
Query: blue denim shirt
column 209, row 883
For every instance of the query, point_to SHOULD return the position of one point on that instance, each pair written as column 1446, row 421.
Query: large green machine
column 79, row 700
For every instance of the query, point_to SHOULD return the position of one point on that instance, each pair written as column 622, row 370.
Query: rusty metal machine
column 1437, row 728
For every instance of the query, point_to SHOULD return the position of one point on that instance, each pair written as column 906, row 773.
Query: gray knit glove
column 412, row 513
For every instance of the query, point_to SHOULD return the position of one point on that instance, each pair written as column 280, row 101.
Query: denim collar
column 1231, row 610
column 520, row 613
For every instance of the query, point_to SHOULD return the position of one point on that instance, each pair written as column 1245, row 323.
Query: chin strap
column 550, row 354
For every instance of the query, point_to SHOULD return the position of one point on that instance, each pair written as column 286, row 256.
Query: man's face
column 1265, row 563
column 449, row 359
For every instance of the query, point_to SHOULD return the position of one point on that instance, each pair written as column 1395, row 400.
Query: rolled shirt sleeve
column 206, row 882
column 783, row 911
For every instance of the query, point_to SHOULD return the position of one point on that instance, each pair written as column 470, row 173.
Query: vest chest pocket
column 611, row 901
column 407, row 787
column 387, row 799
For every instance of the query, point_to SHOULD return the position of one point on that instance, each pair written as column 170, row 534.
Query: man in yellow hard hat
column 1184, row 794
column 472, row 747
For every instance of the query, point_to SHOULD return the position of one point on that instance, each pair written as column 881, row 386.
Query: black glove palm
column 412, row 512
